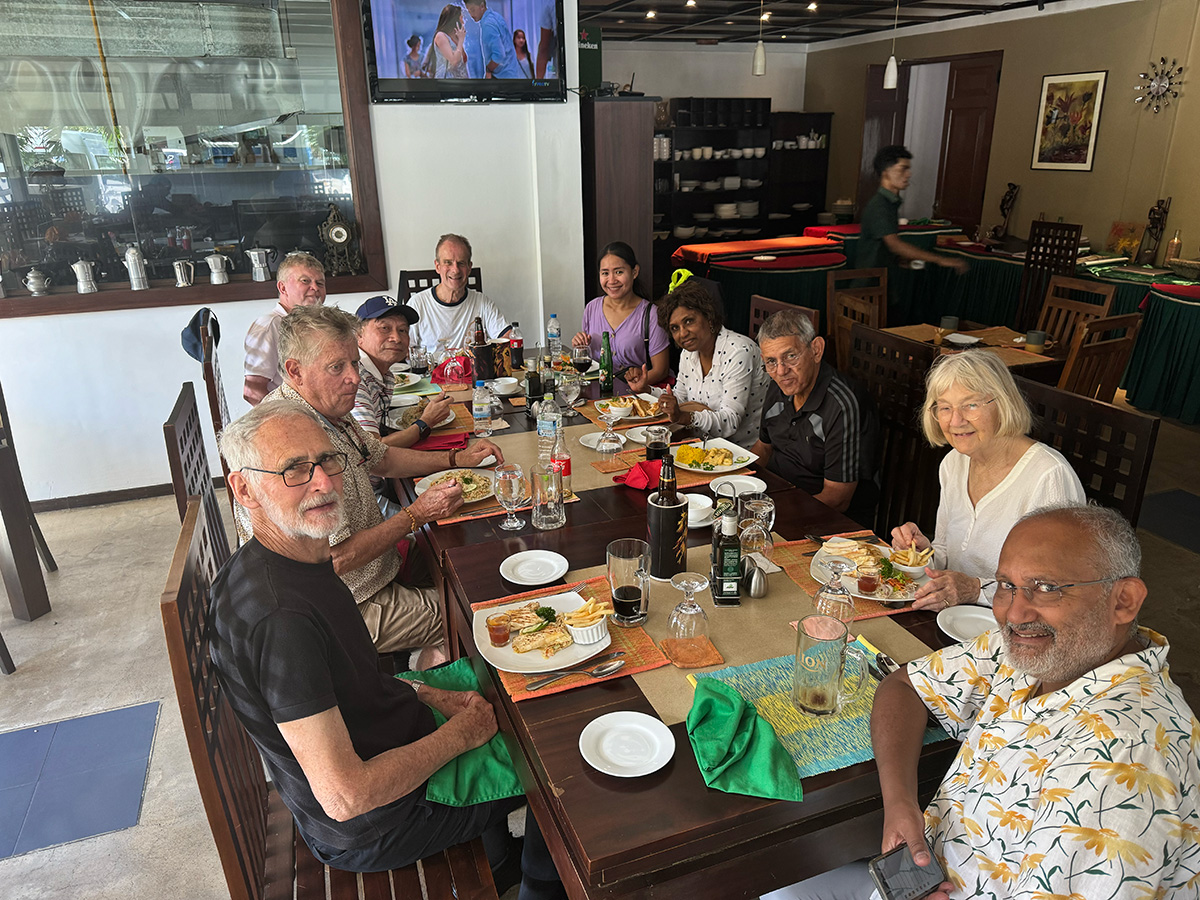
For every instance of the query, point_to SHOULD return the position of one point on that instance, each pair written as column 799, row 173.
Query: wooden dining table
column 665, row 834
column 1000, row 339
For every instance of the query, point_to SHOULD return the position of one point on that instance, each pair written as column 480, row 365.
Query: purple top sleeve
column 628, row 348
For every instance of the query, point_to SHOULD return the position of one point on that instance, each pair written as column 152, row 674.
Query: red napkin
column 455, row 370
column 442, row 442
column 643, row 476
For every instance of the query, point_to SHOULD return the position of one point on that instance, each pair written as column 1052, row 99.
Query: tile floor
column 101, row 648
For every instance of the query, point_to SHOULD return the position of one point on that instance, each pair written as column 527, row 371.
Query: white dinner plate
column 741, row 457
column 394, row 417
column 637, row 434
column 423, row 485
column 742, row 484
column 592, row 438
column 963, row 340
column 406, row 380
column 626, row 744
column 450, row 417
column 506, row 659
column 820, row 573
column 602, row 405
column 965, row 623
column 534, row 567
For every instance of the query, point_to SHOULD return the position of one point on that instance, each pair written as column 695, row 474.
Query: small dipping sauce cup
column 497, row 626
column 868, row 578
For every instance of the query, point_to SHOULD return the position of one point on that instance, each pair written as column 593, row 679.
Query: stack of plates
column 688, row 184
column 712, row 185
column 778, row 216
column 747, row 209
column 726, row 210
column 752, row 183
column 703, row 217
column 732, row 182
column 801, row 206
column 685, row 231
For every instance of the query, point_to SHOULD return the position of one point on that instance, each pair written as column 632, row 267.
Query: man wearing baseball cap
column 383, row 342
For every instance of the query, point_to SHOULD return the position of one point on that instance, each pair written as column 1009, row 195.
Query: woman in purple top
column 628, row 316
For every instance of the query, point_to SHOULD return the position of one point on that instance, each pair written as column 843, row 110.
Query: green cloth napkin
column 479, row 775
column 737, row 751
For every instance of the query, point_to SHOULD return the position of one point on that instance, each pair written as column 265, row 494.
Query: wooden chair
column 761, row 309
column 1110, row 448
column 893, row 369
column 190, row 473
column 1097, row 358
column 1065, row 307
column 1053, row 248
column 867, row 306
column 217, row 407
column 261, row 852
column 413, row 281
column 847, row 279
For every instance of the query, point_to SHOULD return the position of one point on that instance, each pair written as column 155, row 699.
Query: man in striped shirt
column 819, row 429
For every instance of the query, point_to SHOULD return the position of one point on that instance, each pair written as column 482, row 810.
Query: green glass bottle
column 606, row 367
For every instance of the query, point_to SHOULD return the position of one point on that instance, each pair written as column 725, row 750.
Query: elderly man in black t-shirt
column 819, row 429
column 348, row 748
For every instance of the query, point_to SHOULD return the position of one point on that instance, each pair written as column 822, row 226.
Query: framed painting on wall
column 1068, row 117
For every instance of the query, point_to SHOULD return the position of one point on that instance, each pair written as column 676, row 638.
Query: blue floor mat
column 1174, row 516
column 74, row 779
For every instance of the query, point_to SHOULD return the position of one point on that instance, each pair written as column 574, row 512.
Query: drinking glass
column 568, row 388
column 658, row 442
column 629, row 580
column 819, row 677
column 609, row 444
column 418, row 361
column 510, row 491
column 833, row 599
column 757, row 505
column 581, row 359
column 688, row 620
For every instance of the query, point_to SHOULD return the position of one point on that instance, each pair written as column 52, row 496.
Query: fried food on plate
column 549, row 640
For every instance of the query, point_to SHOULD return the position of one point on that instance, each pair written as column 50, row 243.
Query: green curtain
column 1162, row 375
column 803, row 288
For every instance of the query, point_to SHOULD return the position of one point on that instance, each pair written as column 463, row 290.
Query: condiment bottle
column 727, row 563
column 1174, row 247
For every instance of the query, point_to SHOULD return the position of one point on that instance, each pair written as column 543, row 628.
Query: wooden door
column 967, row 139
column 883, row 124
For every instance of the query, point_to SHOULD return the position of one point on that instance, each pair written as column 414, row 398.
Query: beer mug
column 819, row 679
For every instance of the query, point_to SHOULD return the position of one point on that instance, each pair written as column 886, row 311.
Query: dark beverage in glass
column 627, row 601
column 581, row 365
column 421, row 369
column 657, row 450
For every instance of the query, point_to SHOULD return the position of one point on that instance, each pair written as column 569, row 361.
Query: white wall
column 927, row 86
column 87, row 394
column 667, row 69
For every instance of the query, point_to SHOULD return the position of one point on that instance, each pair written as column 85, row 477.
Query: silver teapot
column 184, row 271
column 84, row 282
column 38, row 282
column 136, row 265
column 258, row 259
column 216, row 268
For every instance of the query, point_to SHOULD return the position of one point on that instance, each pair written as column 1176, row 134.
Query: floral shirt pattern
column 1086, row 793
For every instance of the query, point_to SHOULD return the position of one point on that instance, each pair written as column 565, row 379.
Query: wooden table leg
column 6, row 660
column 18, row 553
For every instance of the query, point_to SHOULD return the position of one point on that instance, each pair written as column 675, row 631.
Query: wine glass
column 833, row 599
column 510, row 491
column 757, row 505
column 609, row 444
column 756, row 538
column 581, row 359
column 568, row 388
column 688, row 620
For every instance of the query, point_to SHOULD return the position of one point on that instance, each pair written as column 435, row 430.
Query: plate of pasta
column 476, row 483
column 715, row 455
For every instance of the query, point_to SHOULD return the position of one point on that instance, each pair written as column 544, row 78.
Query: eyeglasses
column 1041, row 593
column 969, row 411
column 789, row 360
column 301, row 473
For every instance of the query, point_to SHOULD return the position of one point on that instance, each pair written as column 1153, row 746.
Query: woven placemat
column 641, row 653
column 795, row 558
column 482, row 509
column 627, row 459
column 592, row 414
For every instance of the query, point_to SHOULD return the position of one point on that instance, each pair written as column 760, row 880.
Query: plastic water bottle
column 549, row 421
column 560, row 459
column 481, row 410
column 554, row 339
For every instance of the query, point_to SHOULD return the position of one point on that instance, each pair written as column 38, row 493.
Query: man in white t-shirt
column 300, row 280
column 448, row 310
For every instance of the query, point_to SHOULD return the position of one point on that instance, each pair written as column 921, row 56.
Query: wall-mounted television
column 437, row 51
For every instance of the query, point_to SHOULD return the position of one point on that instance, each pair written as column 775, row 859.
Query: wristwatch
column 422, row 429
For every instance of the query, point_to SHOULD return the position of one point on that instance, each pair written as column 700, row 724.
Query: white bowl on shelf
column 701, row 230
column 735, row 153
column 748, row 152
column 697, row 152
column 760, row 152
column 712, row 185
column 752, row 183
column 685, row 231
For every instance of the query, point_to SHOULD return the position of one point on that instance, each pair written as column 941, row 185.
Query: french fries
column 912, row 556
column 588, row 614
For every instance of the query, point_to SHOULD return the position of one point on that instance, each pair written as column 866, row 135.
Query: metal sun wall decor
column 1160, row 85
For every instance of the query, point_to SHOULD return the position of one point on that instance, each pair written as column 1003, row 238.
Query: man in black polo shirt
column 349, row 749
column 819, row 429
column 879, row 241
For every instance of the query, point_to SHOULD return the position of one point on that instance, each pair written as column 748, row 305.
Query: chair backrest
column 413, row 281
column 1053, row 248
column 190, row 474
column 1109, row 448
column 867, row 306
column 217, row 407
column 849, row 279
column 761, row 309
column 1066, row 307
column 893, row 369
column 228, row 767
column 1099, row 353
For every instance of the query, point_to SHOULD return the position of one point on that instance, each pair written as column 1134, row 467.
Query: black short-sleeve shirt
column 880, row 217
column 288, row 643
column 833, row 436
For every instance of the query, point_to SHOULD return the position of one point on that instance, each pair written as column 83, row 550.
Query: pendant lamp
column 759, row 64
column 891, row 74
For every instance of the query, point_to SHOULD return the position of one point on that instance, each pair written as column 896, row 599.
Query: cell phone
column 899, row 878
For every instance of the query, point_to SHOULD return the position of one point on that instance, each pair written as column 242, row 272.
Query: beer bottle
column 606, row 367
column 667, row 495
column 480, row 334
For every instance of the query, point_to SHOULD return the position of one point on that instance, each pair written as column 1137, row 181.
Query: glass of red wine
column 581, row 359
column 629, row 580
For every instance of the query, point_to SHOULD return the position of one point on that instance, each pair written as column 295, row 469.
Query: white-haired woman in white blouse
column 721, row 377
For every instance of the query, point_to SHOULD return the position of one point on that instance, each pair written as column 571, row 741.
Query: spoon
column 597, row 672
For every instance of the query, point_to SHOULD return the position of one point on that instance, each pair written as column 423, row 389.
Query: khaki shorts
column 403, row 618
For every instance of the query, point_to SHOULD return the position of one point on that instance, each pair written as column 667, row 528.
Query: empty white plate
column 742, row 484
column 534, row 567
column 965, row 623
column 637, row 434
column 963, row 340
column 626, row 744
column 592, row 438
